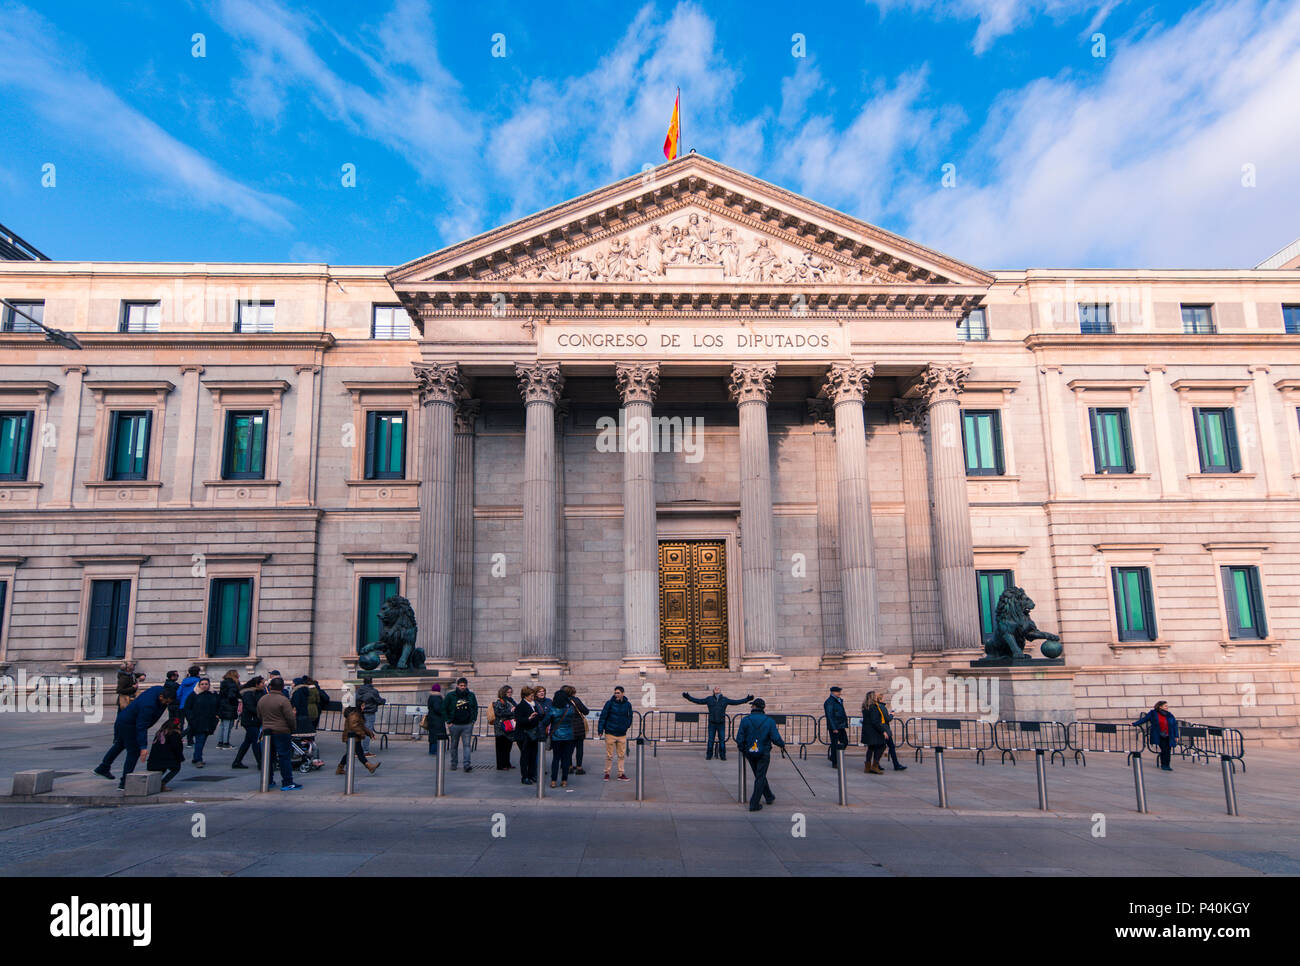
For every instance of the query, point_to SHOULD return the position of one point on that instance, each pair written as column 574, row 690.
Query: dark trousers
column 433, row 744
column 1165, row 744
column 874, row 754
column 503, row 752
column 839, row 739
column 527, row 758
column 577, row 751
column 123, row 740
column 251, row 740
column 360, row 754
column 200, row 740
column 758, row 765
column 893, row 752
column 169, row 775
column 282, row 750
column 561, row 755
column 717, row 729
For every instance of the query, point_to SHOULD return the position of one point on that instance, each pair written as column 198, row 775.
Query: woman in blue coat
column 1163, row 730
column 561, row 719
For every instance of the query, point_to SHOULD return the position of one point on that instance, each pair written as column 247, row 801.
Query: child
column 354, row 726
column 167, row 751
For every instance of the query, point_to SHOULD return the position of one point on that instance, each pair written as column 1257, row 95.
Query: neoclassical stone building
column 689, row 427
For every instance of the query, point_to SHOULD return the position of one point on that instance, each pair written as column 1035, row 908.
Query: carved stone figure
column 1015, row 627
column 396, row 642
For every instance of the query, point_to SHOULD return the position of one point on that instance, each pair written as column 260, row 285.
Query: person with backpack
column 227, row 707
column 501, row 715
column 252, row 724
column 201, row 717
column 308, row 701
column 1162, row 730
column 717, row 703
column 461, row 708
column 167, row 751
column 755, row 737
column 369, row 699
column 560, row 720
column 436, row 719
column 613, row 724
column 579, row 727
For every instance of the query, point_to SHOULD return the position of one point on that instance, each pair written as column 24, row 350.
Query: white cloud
column 997, row 18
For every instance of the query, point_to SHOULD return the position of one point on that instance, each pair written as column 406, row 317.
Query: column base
column 643, row 664
column 871, row 660
column 762, row 664
column 542, row 667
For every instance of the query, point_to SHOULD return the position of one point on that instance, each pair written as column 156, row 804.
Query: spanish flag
column 674, row 130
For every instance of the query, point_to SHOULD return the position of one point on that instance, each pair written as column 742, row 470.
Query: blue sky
column 1178, row 148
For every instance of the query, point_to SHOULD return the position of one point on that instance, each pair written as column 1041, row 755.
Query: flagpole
column 679, row 123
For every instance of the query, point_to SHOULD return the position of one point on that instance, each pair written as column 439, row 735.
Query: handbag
column 424, row 723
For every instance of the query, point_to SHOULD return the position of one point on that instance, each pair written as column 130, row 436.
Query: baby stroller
column 306, row 757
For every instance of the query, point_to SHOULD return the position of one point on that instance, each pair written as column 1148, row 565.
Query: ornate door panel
column 693, row 603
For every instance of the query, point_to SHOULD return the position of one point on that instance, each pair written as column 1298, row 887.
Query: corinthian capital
column 847, row 383
column 637, row 383
column 439, row 382
column 466, row 414
column 943, row 382
column 539, row 382
column 751, row 383
column 910, row 414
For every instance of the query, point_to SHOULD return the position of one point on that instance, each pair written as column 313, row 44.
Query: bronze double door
column 693, row 603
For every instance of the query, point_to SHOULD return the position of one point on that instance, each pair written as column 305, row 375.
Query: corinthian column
column 462, row 629
column 540, row 385
column 922, row 592
column 953, row 548
column 846, row 388
column 750, row 387
column 440, row 386
column 637, row 386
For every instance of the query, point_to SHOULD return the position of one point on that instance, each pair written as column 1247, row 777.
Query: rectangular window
column 1245, row 602
column 245, row 446
column 1112, row 447
column 1198, row 320
column 256, row 317
column 1291, row 319
column 128, row 446
column 106, row 629
column 1135, row 614
column 13, row 322
column 15, row 444
column 4, row 595
column 1216, row 440
column 374, row 591
column 141, row 316
column 974, row 326
column 390, row 322
column 982, row 438
column 230, row 616
column 990, row 584
column 1094, row 318
column 385, row 446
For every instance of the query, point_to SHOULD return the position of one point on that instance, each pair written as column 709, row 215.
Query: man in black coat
column 717, row 705
column 201, row 716
column 837, row 725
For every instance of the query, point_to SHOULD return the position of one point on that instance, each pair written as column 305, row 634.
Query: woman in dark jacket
column 227, row 707
column 167, row 751
column 579, row 727
column 437, row 723
column 201, row 717
column 561, row 718
column 529, row 726
column 354, row 726
column 252, row 724
column 875, row 732
column 503, row 710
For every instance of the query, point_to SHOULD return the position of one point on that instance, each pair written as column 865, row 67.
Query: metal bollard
column 640, row 769
column 1139, row 784
column 440, row 771
column 352, row 762
column 541, row 770
column 266, row 762
column 1040, row 765
column 742, row 780
column 1229, row 786
column 938, row 771
column 844, row 784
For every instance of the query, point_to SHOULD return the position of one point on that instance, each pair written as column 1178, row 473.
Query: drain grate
column 208, row 778
column 69, row 747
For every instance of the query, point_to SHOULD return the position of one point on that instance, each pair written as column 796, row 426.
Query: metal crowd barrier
column 1102, row 737
column 854, row 731
column 950, row 734
column 686, row 727
column 1204, row 742
column 797, row 729
column 1012, row 736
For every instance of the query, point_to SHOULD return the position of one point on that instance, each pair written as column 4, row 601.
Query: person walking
column 889, row 737
column 276, row 713
column 501, row 715
column 126, row 684
column 354, row 726
column 717, row 704
column 435, row 720
column 875, row 733
column 755, row 737
column 369, row 699
column 612, row 725
column 167, row 752
column 1162, row 729
column 308, row 701
column 579, row 727
column 462, row 714
column 528, row 726
column 249, row 696
column 131, row 731
column 560, row 719
column 201, row 717
column 837, row 724
column 227, row 707
column 183, row 692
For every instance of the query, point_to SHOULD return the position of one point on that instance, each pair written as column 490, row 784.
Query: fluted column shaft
column 462, row 629
column 637, row 386
column 846, row 386
column 540, row 385
column 828, row 531
column 440, row 386
column 953, row 547
column 750, row 387
column 922, row 592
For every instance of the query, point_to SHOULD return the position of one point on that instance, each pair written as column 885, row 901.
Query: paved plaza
column 689, row 823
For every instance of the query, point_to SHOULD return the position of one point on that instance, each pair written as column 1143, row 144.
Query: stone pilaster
column 750, row 385
column 462, row 627
column 440, row 387
column 186, row 437
column 830, row 589
column 65, row 462
column 922, row 590
column 953, row 547
column 637, row 386
column 846, row 388
column 301, row 488
column 541, row 385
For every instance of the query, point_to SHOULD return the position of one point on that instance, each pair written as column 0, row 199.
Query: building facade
column 690, row 426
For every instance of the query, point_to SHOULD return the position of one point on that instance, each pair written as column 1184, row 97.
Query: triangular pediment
column 686, row 223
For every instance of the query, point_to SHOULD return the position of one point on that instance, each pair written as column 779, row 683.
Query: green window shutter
column 397, row 444
column 989, row 585
column 1232, row 458
column 371, row 421
column 230, row 617
column 15, row 444
column 1094, row 421
column 995, row 420
column 374, row 591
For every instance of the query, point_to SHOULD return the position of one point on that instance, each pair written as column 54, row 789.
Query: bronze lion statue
column 396, row 638
column 1015, row 627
